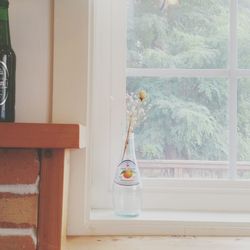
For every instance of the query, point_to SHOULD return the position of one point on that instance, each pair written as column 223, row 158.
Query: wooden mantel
column 50, row 141
column 38, row 135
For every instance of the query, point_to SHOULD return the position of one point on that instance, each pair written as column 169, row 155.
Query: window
column 185, row 55
column 178, row 84
column 189, row 60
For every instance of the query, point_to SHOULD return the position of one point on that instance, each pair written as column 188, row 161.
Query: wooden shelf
column 54, row 140
column 38, row 135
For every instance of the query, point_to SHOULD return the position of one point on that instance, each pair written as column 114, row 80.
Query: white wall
column 70, row 61
column 31, row 36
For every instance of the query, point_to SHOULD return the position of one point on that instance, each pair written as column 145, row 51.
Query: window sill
column 104, row 222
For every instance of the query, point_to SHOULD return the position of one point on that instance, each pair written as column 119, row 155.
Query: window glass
column 244, row 34
column 244, row 128
column 178, row 34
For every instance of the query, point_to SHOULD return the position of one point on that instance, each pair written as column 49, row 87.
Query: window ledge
column 104, row 222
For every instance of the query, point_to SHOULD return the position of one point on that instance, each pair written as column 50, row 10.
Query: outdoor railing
column 190, row 169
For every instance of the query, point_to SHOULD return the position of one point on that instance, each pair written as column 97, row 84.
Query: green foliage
column 193, row 34
column 243, row 119
column 179, row 125
column 189, row 116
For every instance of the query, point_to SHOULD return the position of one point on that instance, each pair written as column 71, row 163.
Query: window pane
column 244, row 128
column 178, row 34
column 244, row 34
column 187, row 122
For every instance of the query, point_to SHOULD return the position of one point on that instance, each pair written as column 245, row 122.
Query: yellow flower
column 142, row 95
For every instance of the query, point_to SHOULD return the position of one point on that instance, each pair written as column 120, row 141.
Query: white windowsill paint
column 169, row 223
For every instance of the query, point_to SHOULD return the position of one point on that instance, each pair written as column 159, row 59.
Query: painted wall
column 31, row 36
column 70, row 61
column 70, row 91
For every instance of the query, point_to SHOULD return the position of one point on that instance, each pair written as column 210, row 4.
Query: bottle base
column 127, row 214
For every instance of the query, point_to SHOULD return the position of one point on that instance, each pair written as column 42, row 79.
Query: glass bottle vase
column 127, row 187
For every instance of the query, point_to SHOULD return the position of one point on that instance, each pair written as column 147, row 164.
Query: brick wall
column 19, row 178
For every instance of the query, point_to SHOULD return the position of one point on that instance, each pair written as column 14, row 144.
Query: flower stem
column 142, row 95
column 126, row 141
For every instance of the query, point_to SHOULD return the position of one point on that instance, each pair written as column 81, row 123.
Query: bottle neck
column 130, row 151
column 4, row 27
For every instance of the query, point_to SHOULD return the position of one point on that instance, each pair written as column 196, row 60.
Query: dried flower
column 135, row 112
column 142, row 95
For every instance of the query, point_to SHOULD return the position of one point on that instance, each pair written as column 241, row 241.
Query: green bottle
column 7, row 67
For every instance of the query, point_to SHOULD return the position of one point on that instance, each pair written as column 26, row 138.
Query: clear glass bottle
column 127, row 187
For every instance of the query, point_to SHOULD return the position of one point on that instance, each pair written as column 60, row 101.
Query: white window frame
column 106, row 88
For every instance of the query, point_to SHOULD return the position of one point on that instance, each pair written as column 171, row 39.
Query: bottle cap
column 4, row 3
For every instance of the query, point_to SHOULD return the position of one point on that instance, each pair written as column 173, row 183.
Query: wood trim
column 157, row 242
column 37, row 135
column 71, row 88
column 52, row 199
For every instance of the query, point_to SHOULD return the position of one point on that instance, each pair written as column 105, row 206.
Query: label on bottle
column 127, row 174
column 4, row 75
